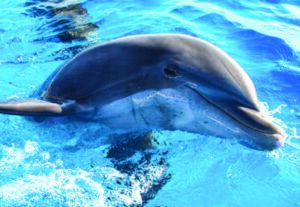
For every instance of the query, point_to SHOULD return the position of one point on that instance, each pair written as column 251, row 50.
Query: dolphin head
column 217, row 78
column 126, row 66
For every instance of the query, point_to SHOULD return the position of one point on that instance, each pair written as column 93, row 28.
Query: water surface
column 80, row 163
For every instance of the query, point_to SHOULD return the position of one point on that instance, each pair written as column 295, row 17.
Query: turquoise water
column 63, row 162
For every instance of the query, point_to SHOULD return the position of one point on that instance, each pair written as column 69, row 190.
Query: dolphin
column 157, row 81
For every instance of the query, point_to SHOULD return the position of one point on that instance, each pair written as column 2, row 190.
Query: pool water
column 67, row 162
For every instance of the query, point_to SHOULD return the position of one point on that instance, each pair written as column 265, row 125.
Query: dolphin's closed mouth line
column 252, row 128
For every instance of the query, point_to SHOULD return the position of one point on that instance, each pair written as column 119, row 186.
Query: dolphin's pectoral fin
column 31, row 108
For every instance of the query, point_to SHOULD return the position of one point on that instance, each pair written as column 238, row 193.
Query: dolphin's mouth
column 267, row 136
column 251, row 118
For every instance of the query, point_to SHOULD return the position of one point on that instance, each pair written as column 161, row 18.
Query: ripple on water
column 187, row 12
column 219, row 21
column 271, row 48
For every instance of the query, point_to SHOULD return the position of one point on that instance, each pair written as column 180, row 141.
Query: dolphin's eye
column 171, row 71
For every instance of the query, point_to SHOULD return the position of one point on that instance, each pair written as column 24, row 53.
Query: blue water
column 82, row 163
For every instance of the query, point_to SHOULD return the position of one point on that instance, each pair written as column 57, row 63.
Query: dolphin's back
column 102, row 68
column 124, row 63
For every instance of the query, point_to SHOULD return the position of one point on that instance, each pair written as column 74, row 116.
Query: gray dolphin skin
column 153, row 82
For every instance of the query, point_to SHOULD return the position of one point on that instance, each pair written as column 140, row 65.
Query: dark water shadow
column 60, row 21
column 123, row 153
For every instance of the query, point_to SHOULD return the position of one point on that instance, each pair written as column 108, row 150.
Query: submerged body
column 173, row 82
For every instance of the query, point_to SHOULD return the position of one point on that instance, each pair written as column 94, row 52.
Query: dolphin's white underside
column 167, row 109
